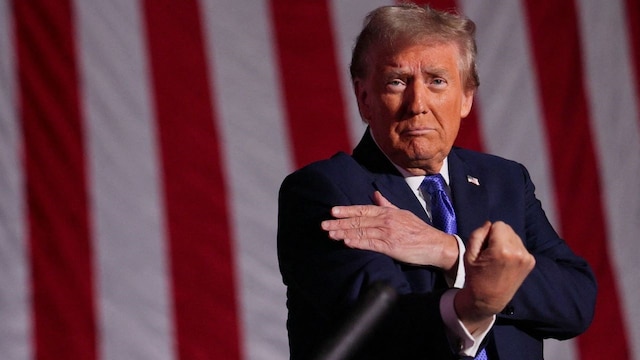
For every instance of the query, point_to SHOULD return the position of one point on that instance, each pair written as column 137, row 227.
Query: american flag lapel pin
column 473, row 180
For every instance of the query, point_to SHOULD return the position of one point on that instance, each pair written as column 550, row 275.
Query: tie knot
column 433, row 184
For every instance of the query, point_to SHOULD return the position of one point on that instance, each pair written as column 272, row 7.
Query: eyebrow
column 440, row 72
column 402, row 72
column 397, row 72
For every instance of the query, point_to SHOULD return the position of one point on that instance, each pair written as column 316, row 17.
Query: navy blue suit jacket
column 324, row 278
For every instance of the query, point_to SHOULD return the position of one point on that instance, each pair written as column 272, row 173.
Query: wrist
column 470, row 313
column 450, row 255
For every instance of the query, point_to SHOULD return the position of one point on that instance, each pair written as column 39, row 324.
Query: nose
column 417, row 98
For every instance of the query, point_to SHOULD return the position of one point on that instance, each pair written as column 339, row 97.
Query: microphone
column 368, row 313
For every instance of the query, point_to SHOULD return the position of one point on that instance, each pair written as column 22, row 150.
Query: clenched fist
column 496, row 263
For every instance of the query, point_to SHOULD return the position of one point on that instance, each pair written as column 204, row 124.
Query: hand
column 395, row 232
column 496, row 263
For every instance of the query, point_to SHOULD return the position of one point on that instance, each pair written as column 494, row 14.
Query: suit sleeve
column 557, row 300
column 324, row 278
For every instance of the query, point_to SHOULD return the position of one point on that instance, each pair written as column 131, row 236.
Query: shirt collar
column 414, row 181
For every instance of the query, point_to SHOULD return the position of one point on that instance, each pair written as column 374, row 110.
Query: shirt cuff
column 458, row 282
column 461, row 340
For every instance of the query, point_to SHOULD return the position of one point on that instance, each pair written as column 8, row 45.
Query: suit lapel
column 386, row 178
column 396, row 190
column 469, row 195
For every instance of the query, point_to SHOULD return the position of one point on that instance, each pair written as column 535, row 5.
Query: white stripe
column 509, row 107
column 15, row 293
column 132, row 287
column 347, row 19
column 614, row 114
column 246, row 91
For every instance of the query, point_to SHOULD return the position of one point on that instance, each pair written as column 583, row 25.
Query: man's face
column 414, row 100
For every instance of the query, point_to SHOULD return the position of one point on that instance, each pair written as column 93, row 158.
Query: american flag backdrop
column 143, row 142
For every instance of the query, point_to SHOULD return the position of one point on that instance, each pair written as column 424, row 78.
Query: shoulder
column 482, row 164
column 339, row 174
column 482, row 159
column 339, row 166
column 337, row 180
column 332, row 164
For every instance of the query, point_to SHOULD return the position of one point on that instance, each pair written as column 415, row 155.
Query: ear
column 467, row 102
column 361, row 94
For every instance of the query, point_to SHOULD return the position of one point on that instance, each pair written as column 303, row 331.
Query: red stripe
column 63, row 299
column 469, row 136
column 556, row 48
column 196, row 204
column 314, row 102
column 633, row 19
column 446, row 5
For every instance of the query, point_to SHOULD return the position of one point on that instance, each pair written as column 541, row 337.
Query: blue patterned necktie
column 442, row 215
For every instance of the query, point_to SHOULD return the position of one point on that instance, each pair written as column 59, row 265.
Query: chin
column 426, row 160
column 417, row 153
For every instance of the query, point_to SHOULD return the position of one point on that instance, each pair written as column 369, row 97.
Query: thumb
column 382, row 201
column 477, row 240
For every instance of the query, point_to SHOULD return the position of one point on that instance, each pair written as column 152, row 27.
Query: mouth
column 417, row 131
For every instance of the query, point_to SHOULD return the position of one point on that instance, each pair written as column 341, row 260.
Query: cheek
column 451, row 113
column 384, row 113
column 384, row 131
column 390, row 103
column 452, row 132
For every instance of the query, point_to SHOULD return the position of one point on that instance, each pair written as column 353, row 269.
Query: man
column 494, row 284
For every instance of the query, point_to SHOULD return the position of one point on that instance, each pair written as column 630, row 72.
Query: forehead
column 423, row 56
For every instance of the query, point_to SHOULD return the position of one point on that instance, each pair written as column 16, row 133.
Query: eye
column 395, row 85
column 438, row 83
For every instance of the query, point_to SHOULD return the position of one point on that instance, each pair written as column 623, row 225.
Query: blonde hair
column 391, row 27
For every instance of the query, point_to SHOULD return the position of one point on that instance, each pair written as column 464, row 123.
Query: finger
column 502, row 232
column 382, row 201
column 348, row 223
column 477, row 241
column 363, row 238
column 355, row 211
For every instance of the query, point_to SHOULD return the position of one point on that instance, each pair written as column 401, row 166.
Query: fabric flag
column 143, row 142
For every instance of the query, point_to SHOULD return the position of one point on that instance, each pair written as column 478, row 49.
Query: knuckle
column 387, row 221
